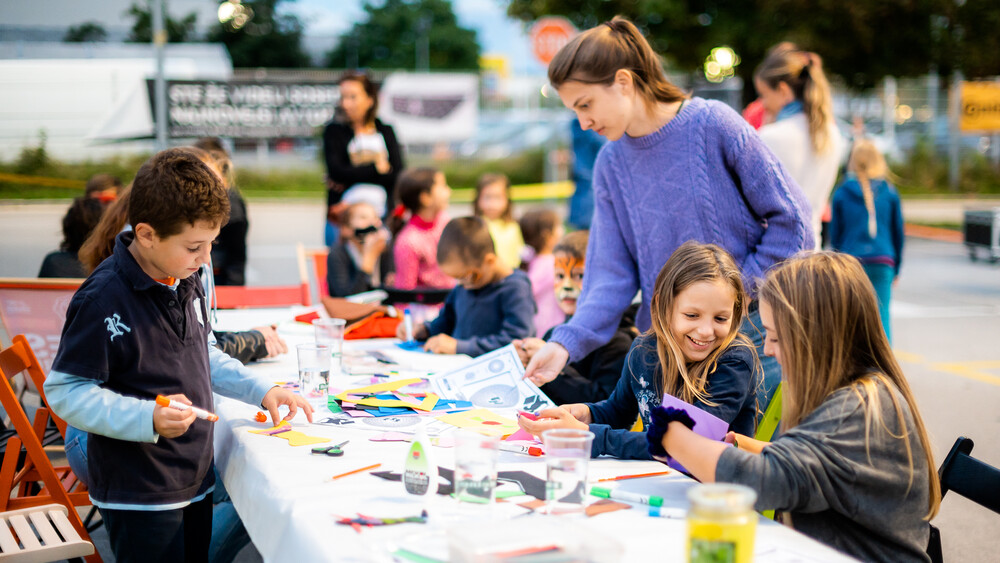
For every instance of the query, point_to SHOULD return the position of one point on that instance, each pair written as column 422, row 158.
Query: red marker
column 521, row 449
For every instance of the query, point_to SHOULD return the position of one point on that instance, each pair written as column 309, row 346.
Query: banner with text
column 980, row 107
column 247, row 110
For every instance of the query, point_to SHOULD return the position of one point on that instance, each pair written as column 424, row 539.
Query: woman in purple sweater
column 676, row 169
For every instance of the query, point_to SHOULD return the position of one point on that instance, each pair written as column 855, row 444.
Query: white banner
column 430, row 108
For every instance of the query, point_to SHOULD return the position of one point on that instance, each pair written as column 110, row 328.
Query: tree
column 862, row 41
column 391, row 35
column 178, row 31
column 269, row 39
column 87, row 31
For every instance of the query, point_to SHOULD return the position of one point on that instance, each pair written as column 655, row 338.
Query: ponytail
column 867, row 163
column 803, row 72
column 596, row 55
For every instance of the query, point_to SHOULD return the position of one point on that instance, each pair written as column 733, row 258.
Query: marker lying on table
column 636, row 476
column 175, row 404
column 666, row 512
column 626, row 496
column 521, row 449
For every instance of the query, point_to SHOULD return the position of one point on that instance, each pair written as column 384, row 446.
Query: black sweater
column 339, row 169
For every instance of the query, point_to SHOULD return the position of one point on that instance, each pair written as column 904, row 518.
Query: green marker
column 626, row 496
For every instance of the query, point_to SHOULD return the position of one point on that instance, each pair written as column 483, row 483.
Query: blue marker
column 408, row 323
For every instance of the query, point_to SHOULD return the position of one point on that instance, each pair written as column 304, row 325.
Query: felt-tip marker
column 175, row 404
column 521, row 449
column 626, row 496
column 408, row 323
column 666, row 512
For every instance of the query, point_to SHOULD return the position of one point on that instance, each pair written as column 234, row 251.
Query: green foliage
column 32, row 160
column 860, row 40
column 392, row 33
column 924, row 171
column 525, row 168
column 178, row 31
column 269, row 40
column 86, row 31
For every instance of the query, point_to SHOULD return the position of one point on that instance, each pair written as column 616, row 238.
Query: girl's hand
column 441, row 344
column 170, row 422
column 559, row 417
column 547, row 363
column 278, row 396
column 527, row 348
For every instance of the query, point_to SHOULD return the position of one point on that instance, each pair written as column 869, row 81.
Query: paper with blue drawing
column 493, row 381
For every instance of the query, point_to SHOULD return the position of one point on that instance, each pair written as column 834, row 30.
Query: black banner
column 246, row 110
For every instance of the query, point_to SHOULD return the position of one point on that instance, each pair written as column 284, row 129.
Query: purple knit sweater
column 703, row 176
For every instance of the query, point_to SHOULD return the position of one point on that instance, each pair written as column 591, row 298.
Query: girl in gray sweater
column 853, row 467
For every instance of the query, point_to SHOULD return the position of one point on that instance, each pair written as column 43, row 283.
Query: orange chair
column 242, row 297
column 317, row 257
column 29, row 480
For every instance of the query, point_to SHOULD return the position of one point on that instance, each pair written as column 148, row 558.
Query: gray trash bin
column 981, row 230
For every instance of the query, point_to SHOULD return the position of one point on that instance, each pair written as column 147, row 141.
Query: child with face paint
column 594, row 377
column 693, row 351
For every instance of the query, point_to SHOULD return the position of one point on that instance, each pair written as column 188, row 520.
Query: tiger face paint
column 568, row 281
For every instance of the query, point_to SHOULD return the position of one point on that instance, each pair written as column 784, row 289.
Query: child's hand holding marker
column 575, row 415
column 171, row 422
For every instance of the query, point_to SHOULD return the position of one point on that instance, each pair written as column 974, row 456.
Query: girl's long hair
column 803, row 72
column 596, row 55
column 867, row 164
column 827, row 321
column 488, row 179
column 691, row 263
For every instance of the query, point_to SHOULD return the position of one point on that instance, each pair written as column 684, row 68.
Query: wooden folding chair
column 48, row 537
column 32, row 479
column 317, row 258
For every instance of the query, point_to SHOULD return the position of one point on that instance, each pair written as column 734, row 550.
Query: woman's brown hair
column 596, row 55
column 803, row 72
column 369, row 88
column 826, row 317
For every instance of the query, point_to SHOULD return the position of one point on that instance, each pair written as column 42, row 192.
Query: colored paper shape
column 481, row 420
column 426, row 405
column 521, row 435
column 294, row 437
column 705, row 423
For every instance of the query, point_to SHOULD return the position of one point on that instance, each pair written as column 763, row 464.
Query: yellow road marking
column 969, row 370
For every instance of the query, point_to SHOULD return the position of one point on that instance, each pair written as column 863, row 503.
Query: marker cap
column 162, row 401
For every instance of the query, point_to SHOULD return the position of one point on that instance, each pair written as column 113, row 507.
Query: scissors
column 333, row 451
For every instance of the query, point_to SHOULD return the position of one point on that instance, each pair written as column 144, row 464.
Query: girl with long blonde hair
column 853, row 465
column 867, row 222
column 693, row 351
column 794, row 89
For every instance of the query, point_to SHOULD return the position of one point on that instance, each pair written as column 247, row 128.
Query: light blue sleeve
column 83, row 403
column 232, row 379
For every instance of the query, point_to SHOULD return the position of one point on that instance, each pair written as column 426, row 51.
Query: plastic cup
column 330, row 332
column 314, row 371
column 476, row 467
column 567, row 453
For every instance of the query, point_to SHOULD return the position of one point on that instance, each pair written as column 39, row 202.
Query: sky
column 324, row 21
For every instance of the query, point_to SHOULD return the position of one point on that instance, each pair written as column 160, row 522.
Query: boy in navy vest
column 138, row 328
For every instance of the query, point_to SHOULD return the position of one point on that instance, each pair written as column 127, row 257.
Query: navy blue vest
column 140, row 339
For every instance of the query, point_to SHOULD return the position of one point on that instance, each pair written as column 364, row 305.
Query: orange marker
column 637, row 476
column 357, row 471
column 175, row 404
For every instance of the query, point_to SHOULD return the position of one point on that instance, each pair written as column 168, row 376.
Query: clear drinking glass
column 314, row 371
column 330, row 332
column 567, row 453
column 476, row 467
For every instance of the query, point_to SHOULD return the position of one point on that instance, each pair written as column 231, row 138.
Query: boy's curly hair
column 174, row 188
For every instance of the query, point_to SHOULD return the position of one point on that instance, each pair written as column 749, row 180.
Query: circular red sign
column 548, row 35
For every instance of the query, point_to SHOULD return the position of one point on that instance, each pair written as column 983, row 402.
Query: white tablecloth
column 289, row 503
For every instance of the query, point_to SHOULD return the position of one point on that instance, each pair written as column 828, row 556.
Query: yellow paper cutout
column 294, row 437
column 425, row 405
column 483, row 421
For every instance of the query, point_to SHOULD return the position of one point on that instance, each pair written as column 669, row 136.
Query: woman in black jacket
column 362, row 155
